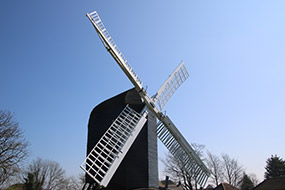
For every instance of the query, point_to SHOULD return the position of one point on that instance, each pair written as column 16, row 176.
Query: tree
column 45, row 174
column 175, row 167
column 199, row 150
column 74, row 183
column 34, row 181
column 214, row 164
column 13, row 146
column 246, row 183
column 254, row 179
column 275, row 167
column 232, row 170
column 16, row 187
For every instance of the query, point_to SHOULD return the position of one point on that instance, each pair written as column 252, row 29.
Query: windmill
column 104, row 159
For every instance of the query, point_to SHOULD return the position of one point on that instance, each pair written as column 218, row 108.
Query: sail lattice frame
column 171, row 85
column 167, row 132
column 104, row 159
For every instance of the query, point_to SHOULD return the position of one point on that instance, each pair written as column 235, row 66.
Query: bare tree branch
column 13, row 146
column 52, row 174
column 175, row 167
column 215, row 166
column 233, row 171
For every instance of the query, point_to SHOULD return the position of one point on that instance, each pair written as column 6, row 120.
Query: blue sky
column 54, row 70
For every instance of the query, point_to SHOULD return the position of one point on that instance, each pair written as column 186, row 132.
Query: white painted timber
column 108, row 153
column 179, row 147
column 171, row 85
column 166, row 130
column 113, row 49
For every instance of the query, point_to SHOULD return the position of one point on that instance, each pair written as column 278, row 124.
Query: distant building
column 272, row 184
column 171, row 185
column 225, row 186
column 209, row 187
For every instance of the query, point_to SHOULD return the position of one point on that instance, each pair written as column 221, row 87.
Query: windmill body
column 139, row 168
column 105, row 158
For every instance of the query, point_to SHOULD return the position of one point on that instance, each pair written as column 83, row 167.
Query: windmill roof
column 272, row 184
column 225, row 186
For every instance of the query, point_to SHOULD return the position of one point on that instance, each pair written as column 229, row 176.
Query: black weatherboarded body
column 139, row 167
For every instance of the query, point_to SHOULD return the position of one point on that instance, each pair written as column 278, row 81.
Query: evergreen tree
column 33, row 183
column 275, row 167
column 246, row 183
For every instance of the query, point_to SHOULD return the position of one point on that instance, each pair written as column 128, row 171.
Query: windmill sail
column 177, row 145
column 108, row 153
column 166, row 130
column 114, row 49
column 171, row 85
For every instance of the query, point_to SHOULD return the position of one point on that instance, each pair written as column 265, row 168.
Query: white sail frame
column 195, row 166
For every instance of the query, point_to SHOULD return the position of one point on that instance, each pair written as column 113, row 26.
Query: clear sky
column 54, row 70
